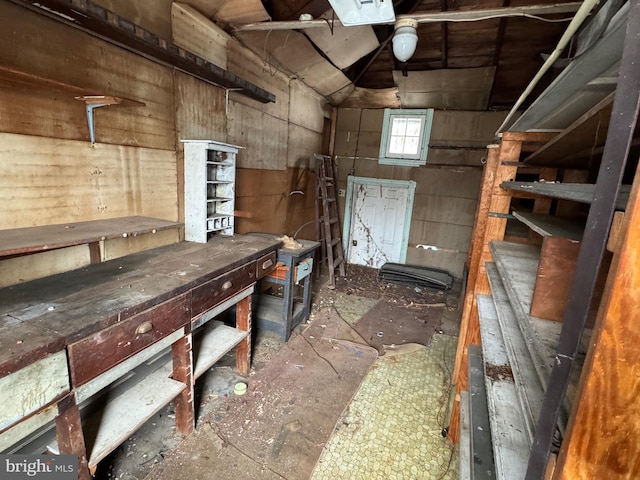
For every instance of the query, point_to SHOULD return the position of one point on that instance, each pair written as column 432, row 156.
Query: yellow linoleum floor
column 392, row 430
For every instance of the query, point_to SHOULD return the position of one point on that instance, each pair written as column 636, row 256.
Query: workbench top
column 45, row 315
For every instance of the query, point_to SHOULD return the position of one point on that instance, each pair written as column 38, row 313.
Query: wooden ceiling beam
column 434, row 17
column 444, row 33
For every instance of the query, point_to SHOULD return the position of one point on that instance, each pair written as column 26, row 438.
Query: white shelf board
column 212, row 343
column 125, row 410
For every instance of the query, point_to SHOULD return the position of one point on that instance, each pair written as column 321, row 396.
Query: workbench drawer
column 220, row 288
column 92, row 356
column 265, row 264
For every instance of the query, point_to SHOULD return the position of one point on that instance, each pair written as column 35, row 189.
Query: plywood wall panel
column 271, row 207
column 200, row 110
column 461, row 183
column 152, row 15
column 194, row 32
column 449, row 261
column 92, row 66
column 29, row 267
column 251, row 67
column 264, row 137
column 344, row 46
column 445, row 236
column 307, row 108
column 449, row 209
column 303, row 144
column 49, row 181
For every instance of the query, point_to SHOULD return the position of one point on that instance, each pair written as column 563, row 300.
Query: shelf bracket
column 94, row 101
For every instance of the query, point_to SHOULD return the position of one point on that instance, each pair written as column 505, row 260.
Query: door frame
column 410, row 185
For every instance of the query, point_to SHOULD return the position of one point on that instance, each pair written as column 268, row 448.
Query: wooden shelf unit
column 519, row 343
column 209, row 189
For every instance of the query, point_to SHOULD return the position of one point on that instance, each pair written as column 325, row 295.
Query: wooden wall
column 447, row 187
column 50, row 173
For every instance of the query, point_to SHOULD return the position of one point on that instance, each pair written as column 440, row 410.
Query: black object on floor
column 416, row 275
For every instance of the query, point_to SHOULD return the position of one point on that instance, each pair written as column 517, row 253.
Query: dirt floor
column 402, row 314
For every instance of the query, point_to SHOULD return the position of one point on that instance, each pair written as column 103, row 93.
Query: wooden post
column 604, row 427
column 493, row 200
column 182, row 356
column 70, row 436
column 243, row 322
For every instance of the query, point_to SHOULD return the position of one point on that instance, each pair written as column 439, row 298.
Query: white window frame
column 409, row 160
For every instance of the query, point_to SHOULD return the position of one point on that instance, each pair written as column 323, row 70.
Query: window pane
column 396, row 145
column 398, row 126
column 411, row 145
column 414, row 127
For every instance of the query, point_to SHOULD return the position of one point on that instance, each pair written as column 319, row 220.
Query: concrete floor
column 419, row 378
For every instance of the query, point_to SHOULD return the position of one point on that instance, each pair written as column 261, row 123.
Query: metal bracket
column 94, row 101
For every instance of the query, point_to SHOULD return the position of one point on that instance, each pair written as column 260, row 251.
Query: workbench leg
column 70, row 436
column 243, row 322
column 183, row 372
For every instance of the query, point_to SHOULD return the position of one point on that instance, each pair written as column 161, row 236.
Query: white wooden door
column 379, row 217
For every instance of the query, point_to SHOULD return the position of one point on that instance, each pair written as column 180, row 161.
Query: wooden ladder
column 329, row 231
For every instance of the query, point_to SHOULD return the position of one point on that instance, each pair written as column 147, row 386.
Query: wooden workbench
column 67, row 338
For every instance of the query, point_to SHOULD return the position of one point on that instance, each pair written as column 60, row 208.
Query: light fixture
column 405, row 39
column 363, row 12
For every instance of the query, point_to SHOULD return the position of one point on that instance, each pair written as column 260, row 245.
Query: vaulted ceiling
column 492, row 60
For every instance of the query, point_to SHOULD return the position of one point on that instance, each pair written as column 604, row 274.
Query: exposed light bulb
column 405, row 39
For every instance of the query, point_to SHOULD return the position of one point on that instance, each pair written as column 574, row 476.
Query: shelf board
column 511, row 441
column 212, row 343
column 219, row 199
column 529, row 374
column 517, row 265
column 219, row 182
column 568, row 148
column 577, row 192
column 127, row 408
column 551, row 225
column 49, row 237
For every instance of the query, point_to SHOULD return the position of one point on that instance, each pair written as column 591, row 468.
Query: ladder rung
column 335, row 241
column 331, row 199
column 337, row 261
column 333, row 220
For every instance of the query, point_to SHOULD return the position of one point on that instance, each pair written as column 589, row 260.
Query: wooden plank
column 212, row 344
column 41, row 238
column 12, row 438
column 445, row 89
column 182, row 360
column 509, row 434
column 465, row 437
column 551, row 225
column 578, row 192
column 196, row 33
column 372, row 98
column 125, row 411
column 243, row 323
column 69, row 435
column 361, row 40
column 528, row 383
column 566, row 148
column 84, row 183
column 554, row 277
column 616, row 233
column 482, row 467
column 33, row 387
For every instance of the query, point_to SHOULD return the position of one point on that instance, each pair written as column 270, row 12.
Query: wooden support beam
column 435, row 17
column 182, row 357
column 243, row 322
column 69, row 435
